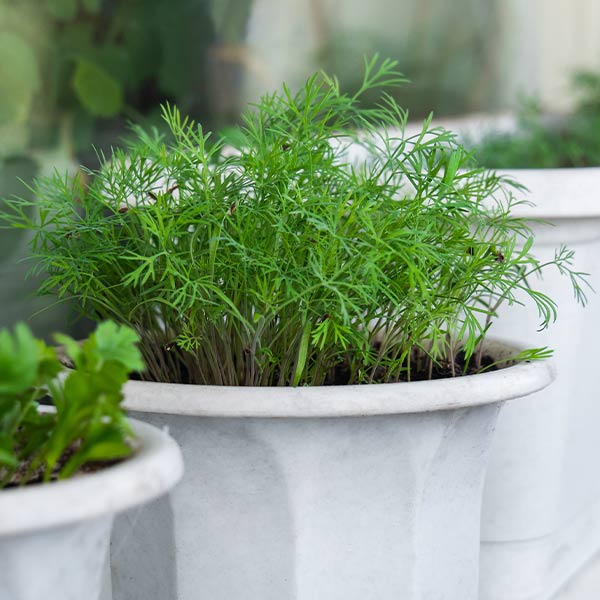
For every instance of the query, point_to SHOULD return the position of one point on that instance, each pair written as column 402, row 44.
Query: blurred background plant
column 549, row 141
column 444, row 48
column 72, row 72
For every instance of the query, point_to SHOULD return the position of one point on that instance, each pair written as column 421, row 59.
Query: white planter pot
column 54, row 537
column 338, row 493
column 541, row 508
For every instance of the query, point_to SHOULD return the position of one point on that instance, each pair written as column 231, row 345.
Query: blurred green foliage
column 97, row 63
column 572, row 141
column 446, row 49
column 72, row 73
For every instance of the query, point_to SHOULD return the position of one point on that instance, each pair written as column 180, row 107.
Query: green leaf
column 112, row 376
column 106, row 444
column 19, row 77
column 91, row 6
column 302, row 353
column 97, row 90
column 19, row 359
column 7, row 455
column 63, row 10
column 454, row 162
column 78, row 390
column 49, row 366
column 8, row 459
column 35, row 432
column 118, row 343
column 10, row 414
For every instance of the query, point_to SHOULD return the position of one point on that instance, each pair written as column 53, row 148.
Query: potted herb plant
column 65, row 473
column 545, row 447
column 314, row 332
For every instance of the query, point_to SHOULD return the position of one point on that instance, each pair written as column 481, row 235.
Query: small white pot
column 54, row 537
column 365, row 492
column 541, row 508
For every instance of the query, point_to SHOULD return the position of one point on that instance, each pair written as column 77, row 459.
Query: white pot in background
column 367, row 492
column 54, row 537
column 541, row 507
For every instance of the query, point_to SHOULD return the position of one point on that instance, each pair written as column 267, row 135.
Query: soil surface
column 23, row 476
column 420, row 372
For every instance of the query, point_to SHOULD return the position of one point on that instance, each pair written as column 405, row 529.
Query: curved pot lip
column 567, row 193
column 508, row 383
column 155, row 468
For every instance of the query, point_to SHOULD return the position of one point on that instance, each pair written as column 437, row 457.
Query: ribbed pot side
column 54, row 537
column 339, row 493
column 541, row 505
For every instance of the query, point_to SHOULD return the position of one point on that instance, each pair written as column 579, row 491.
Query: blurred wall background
column 463, row 55
column 542, row 43
column 448, row 57
column 73, row 72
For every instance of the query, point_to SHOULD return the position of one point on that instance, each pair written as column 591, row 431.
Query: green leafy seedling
column 87, row 424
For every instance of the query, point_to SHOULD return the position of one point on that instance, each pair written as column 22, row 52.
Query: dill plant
column 316, row 243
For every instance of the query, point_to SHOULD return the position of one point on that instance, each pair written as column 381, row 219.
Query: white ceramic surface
column 541, row 509
column 585, row 585
column 342, row 493
column 54, row 537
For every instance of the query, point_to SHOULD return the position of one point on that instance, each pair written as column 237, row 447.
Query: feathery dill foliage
column 304, row 252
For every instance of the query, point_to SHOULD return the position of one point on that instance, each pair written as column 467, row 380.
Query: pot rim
column 504, row 384
column 154, row 469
